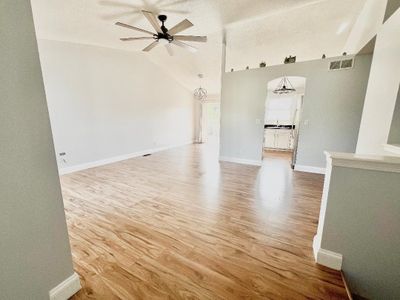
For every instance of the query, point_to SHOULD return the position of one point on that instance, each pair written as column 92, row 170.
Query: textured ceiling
column 257, row 30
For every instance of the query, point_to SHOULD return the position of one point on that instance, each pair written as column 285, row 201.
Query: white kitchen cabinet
column 278, row 139
column 269, row 138
column 282, row 140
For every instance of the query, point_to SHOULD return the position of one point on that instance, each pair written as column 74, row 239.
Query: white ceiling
column 257, row 30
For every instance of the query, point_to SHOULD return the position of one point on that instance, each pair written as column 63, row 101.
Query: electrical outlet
column 63, row 157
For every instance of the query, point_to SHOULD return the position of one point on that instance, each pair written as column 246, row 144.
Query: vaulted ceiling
column 256, row 30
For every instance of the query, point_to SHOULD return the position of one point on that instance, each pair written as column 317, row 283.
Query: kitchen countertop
column 274, row 126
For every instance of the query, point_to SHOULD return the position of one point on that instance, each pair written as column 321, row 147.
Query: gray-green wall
column 394, row 134
column 35, row 254
column 362, row 223
column 333, row 104
column 391, row 7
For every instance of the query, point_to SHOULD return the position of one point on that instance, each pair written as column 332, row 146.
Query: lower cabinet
column 278, row 139
column 283, row 139
column 269, row 138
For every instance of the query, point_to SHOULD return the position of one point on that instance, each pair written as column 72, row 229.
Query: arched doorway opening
column 283, row 107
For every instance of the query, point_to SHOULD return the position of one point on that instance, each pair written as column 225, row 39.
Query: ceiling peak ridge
column 171, row 75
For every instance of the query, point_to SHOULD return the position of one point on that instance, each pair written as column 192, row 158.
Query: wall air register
column 343, row 64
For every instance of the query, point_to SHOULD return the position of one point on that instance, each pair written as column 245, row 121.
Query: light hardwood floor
column 180, row 225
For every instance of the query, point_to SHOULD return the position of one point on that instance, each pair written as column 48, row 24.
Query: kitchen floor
column 274, row 154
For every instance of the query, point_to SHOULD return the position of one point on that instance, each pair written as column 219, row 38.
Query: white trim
column 93, row 164
column 367, row 162
column 327, row 258
column 392, row 148
column 241, row 161
column 309, row 169
column 66, row 289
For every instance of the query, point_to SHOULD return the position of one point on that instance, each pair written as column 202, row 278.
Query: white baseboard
column 66, row 289
column 309, row 169
column 241, row 161
column 327, row 258
column 97, row 163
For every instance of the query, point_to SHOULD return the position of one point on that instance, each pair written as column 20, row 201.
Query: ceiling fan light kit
column 163, row 35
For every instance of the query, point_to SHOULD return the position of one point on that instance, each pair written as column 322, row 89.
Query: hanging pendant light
column 284, row 87
column 200, row 93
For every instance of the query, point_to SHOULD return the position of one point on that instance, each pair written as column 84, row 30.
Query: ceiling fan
column 164, row 35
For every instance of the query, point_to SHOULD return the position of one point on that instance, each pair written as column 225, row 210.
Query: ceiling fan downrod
column 163, row 18
column 164, row 35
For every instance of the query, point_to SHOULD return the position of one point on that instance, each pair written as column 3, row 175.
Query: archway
column 282, row 116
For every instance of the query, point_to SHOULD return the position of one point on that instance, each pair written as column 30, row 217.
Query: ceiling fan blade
column 159, row 2
column 190, row 38
column 133, row 27
column 116, row 4
column 169, row 49
column 153, row 20
column 151, row 46
column 184, row 45
column 176, row 2
column 136, row 38
column 185, row 24
column 114, row 16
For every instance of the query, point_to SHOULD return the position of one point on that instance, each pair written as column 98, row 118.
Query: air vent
column 346, row 64
column 341, row 64
column 335, row 65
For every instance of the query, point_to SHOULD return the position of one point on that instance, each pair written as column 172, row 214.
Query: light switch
column 306, row 122
column 258, row 121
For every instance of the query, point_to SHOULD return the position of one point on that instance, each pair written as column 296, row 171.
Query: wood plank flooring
column 180, row 225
